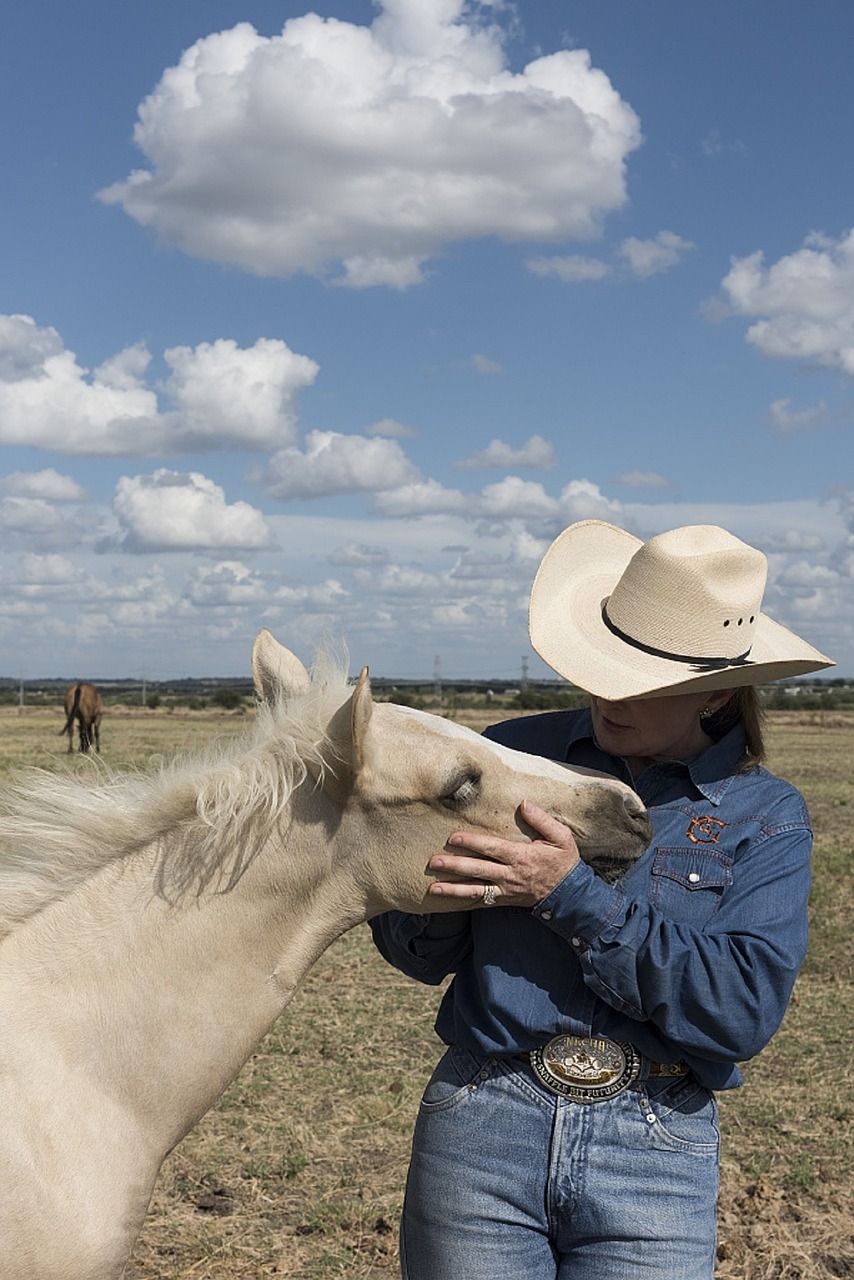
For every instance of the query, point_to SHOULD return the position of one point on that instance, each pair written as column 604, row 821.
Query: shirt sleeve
column 719, row 991
column 427, row 948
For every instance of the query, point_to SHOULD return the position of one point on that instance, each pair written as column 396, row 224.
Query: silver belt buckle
column 586, row 1068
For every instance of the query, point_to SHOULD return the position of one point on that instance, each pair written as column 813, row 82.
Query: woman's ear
column 718, row 698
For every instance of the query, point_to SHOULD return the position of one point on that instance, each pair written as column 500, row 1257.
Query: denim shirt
column 691, row 956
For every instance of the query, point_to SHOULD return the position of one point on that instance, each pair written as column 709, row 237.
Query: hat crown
column 694, row 592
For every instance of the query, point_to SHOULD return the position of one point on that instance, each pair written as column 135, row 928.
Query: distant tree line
column 453, row 697
column 829, row 695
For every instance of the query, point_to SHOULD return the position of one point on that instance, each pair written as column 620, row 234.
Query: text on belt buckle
column 586, row 1068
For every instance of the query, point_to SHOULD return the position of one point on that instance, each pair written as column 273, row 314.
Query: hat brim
column 577, row 575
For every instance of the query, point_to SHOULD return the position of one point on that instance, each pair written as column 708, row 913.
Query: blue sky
column 330, row 322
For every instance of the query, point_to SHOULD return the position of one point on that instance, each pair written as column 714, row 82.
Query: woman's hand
column 521, row 873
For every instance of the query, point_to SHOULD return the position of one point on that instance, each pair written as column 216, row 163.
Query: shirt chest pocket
column 687, row 883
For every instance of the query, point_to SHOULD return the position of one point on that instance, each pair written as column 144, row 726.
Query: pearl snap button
column 694, row 877
column 547, row 915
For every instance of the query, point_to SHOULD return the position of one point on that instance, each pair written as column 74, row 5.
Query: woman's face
column 665, row 728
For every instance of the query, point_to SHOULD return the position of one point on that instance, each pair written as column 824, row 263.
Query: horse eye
column 465, row 790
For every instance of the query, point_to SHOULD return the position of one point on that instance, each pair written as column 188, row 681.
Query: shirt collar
column 711, row 772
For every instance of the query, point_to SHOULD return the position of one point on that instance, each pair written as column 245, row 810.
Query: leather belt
column 593, row 1069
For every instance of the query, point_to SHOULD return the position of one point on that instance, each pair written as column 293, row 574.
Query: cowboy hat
column 622, row 618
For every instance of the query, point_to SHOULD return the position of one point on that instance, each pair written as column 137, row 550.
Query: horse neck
column 165, row 1001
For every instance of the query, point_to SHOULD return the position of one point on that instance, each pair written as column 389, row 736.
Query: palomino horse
column 84, row 704
column 153, row 927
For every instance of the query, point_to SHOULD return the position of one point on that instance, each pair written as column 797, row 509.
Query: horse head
column 399, row 782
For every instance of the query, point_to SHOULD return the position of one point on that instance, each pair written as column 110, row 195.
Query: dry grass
column 299, row 1170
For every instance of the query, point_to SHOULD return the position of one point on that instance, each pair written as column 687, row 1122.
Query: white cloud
column 57, row 580
column 366, row 270
column 136, row 615
column 459, row 616
column 483, row 364
column 583, row 500
column 374, row 147
column 512, row 498
column 791, row 540
column 443, row 581
column 805, row 301
column 651, row 257
column 714, row 146
column 643, row 480
column 639, row 258
column 48, row 485
column 171, row 511
column 224, row 396
column 357, row 555
column 784, row 420
column 335, row 464
column 571, row 269
column 46, row 400
column 34, row 523
column 21, row 612
column 803, row 577
column 229, row 583
column 422, row 497
column 489, row 571
column 396, row 580
column 529, row 548
column 535, row 452
column 241, row 397
column 125, row 370
column 845, row 500
column 24, row 348
column 44, row 575
column 44, row 511
column 391, row 429
column 323, row 595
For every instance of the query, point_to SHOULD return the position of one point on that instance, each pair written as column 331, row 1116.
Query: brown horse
column 84, row 704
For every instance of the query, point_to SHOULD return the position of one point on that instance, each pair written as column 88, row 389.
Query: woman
column 570, row 1130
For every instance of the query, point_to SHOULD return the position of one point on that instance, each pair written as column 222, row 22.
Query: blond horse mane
column 208, row 814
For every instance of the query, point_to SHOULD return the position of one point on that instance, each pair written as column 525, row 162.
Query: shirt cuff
column 580, row 907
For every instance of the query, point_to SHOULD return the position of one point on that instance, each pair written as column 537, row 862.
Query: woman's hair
column 743, row 707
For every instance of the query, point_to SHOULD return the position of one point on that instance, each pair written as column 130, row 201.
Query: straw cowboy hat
column 680, row 613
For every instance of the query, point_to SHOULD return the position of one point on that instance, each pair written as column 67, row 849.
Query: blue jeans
column 509, row 1182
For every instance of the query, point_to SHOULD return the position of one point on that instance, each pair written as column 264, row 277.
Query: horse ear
column 348, row 732
column 277, row 673
column 362, row 709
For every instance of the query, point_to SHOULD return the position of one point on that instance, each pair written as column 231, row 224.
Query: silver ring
column 490, row 895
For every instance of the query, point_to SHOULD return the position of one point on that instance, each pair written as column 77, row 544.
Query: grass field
column 298, row 1172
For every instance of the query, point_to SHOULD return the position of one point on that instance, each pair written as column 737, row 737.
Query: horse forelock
column 208, row 814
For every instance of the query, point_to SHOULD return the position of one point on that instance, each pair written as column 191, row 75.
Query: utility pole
column 437, row 682
column 523, row 683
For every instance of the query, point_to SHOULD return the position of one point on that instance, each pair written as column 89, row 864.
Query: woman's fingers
column 521, row 871
column 555, row 831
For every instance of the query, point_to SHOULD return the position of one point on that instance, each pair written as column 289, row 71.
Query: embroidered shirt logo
column 705, row 830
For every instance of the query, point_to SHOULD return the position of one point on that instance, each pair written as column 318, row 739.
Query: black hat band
column 698, row 665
